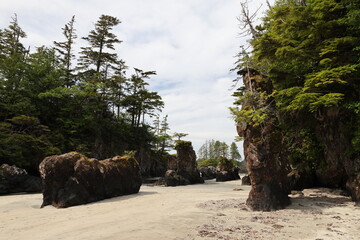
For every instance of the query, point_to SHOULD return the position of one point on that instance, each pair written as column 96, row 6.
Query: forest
column 302, row 90
column 55, row 100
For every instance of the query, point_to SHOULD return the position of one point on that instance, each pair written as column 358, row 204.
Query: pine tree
column 65, row 49
column 100, row 40
column 234, row 152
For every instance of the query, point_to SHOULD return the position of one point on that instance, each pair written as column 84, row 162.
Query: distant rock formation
column 245, row 180
column 17, row 180
column 208, row 173
column 72, row 179
column 265, row 160
column 226, row 171
column 151, row 164
column 183, row 167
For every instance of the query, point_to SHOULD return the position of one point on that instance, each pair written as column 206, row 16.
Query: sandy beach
column 205, row 211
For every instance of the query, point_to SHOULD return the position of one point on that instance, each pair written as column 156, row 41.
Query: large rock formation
column 72, row 179
column 207, row 173
column 152, row 164
column 16, row 180
column 264, row 156
column 344, row 163
column 183, row 167
column 301, row 179
column 226, row 171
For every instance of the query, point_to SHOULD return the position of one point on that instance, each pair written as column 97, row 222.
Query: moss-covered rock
column 72, row 179
column 226, row 170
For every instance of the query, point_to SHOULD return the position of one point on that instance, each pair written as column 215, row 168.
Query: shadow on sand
column 319, row 199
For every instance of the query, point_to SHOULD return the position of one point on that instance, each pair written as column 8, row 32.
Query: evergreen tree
column 100, row 40
column 12, row 68
column 65, row 49
column 308, row 51
column 234, row 152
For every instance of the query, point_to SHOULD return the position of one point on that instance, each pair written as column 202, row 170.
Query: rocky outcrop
column 17, row 180
column 336, row 134
column 331, row 178
column 72, row 179
column 245, row 180
column 184, row 167
column 264, row 153
column 352, row 185
column 152, row 164
column 226, row 171
column 207, row 173
column 301, row 179
column 172, row 179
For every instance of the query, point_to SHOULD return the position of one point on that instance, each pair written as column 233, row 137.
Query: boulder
column 207, row 173
column 72, row 179
column 226, row 171
column 245, row 180
column 16, row 180
column 172, row 179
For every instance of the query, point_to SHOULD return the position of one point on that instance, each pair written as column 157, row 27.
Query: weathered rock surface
column 184, row 167
column 333, row 128
column 245, row 180
column 331, row 178
column 352, row 185
column 72, row 179
column 16, row 180
column 226, row 171
column 301, row 179
column 172, row 179
column 151, row 164
column 265, row 160
column 208, row 173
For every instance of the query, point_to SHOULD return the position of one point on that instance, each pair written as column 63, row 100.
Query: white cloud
column 190, row 43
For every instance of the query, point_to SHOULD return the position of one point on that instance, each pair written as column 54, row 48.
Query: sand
column 205, row 211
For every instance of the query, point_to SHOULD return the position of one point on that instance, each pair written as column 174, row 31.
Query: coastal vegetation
column 302, row 87
column 54, row 100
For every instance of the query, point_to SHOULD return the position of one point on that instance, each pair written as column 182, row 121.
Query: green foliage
column 207, row 162
column 212, row 149
column 24, row 142
column 225, row 163
column 234, row 152
column 252, row 117
column 48, row 106
column 310, row 54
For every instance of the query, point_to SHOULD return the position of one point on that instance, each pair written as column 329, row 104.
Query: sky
column 191, row 45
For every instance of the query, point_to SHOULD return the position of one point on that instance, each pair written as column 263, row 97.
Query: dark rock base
column 17, row 180
column 72, row 179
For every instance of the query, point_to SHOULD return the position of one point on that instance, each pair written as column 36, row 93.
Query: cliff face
column 335, row 134
column 264, row 156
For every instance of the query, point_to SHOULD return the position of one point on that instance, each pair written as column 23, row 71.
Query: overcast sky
column 191, row 45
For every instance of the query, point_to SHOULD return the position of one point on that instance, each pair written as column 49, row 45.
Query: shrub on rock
column 226, row 170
